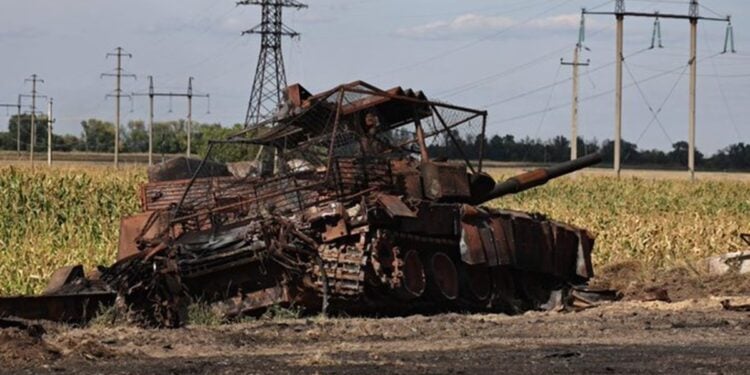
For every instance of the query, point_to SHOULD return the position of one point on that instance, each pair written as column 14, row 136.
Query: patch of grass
column 106, row 316
column 278, row 312
column 202, row 314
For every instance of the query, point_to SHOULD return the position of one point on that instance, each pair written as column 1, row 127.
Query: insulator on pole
column 729, row 38
column 656, row 35
column 582, row 28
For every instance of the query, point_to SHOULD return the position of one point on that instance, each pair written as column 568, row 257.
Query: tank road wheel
column 413, row 280
column 443, row 276
column 476, row 283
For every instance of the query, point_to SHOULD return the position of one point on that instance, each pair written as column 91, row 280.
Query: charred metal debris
column 347, row 206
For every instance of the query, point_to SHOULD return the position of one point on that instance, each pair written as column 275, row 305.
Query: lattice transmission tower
column 270, row 76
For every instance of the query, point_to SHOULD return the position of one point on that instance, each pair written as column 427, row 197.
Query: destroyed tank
column 355, row 208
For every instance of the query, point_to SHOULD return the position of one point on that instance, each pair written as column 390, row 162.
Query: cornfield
column 52, row 218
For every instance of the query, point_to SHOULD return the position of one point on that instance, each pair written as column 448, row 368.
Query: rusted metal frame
column 74, row 308
column 484, row 140
column 333, row 134
column 195, row 176
column 245, row 202
column 430, row 135
column 420, row 137
column 322, row 99
column 418, row 101
column 453, row 139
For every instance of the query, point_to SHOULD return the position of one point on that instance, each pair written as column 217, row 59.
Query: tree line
column 734, row 157
column 170, row 137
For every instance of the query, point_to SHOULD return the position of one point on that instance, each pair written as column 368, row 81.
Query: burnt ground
column 695, row 334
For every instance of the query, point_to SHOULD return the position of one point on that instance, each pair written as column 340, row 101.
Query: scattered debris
column 727, row 305
column 737, row 262
column 656, row 294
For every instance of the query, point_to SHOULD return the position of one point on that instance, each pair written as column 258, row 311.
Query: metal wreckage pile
column 352, row 213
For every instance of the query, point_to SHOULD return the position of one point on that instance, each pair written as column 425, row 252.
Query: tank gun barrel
column 539, row 177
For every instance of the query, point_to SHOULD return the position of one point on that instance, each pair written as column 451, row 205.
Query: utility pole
column 49, row 132
column 693, row 16
column 34, row 80
column 150, row 95
column 189, row 94
column 574, row 110
column 270, row 76
column 118, row 74
column 18, row 122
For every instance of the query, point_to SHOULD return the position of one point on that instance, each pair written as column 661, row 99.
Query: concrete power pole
column 574, row 110
column 18, row 122
column 189, row 94
column 150, row 95
column 118, row 74
column 693, row 16
column 34, row 94
column 150, row 120
column 49, row 132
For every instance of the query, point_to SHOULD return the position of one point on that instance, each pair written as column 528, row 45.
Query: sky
column 499, row 55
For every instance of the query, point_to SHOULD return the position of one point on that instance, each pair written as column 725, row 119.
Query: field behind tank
column 653, row 221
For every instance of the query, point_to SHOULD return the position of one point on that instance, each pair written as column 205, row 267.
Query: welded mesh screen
column 454, row 134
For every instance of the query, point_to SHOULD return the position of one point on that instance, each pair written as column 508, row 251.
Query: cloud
column 470, row 24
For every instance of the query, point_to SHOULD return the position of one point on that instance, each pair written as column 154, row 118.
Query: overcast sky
column 496, row 54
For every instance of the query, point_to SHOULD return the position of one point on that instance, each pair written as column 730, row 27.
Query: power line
column 663, row 103
column 541, row 88
column 473, row 43
column 590, row 97
column 655, row 114
column 481, row 81
column 722, row 93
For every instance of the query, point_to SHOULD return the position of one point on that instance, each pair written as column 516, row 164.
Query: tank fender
column 482, row 238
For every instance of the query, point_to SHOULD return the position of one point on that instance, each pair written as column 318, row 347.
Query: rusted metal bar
column 420, row 138
column 333, row 134
column 453, row 139
column 195, row 176
column 419, row 101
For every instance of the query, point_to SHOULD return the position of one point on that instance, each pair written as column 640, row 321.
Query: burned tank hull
column 368, row 221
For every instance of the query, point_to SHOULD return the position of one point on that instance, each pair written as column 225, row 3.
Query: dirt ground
column 691, row 336
column 642, row 333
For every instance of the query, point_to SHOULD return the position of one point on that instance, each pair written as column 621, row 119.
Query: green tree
column 135, row 137
column 99, row 136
